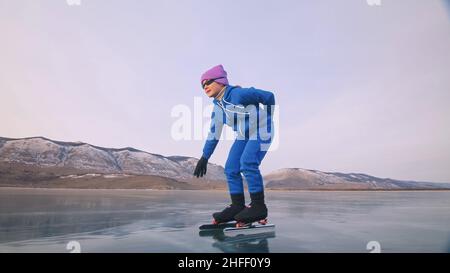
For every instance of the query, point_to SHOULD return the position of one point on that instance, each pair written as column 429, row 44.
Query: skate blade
column 253, row 229
column 217, row 226
column 250, row 239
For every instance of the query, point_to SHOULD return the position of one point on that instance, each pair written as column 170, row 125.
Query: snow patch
column 116, row 175
column 75, row 176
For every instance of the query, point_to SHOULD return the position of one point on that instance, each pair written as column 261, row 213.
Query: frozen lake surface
column 39, row 220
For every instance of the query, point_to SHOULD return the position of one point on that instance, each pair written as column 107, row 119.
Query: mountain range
column 42, row 162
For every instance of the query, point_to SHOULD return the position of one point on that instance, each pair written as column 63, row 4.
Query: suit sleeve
column 214, row 132
column 255, row 96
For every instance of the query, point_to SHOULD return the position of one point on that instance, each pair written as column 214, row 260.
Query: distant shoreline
column 224, row 190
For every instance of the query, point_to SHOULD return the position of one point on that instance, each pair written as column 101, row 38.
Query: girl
column 239, row 108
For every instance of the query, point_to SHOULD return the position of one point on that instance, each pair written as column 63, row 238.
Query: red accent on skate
column 240, row 224
column 263, row 221
column 214, row 222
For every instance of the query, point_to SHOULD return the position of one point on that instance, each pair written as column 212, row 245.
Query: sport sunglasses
column 208, row 82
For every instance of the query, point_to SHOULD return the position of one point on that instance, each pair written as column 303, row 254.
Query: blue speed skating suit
column 240, row 109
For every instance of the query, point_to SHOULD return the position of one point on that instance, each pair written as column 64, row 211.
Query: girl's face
column 213, row 89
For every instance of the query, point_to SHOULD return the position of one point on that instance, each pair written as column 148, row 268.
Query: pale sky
column 360, row 88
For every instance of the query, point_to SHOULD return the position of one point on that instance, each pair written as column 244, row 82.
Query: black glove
column 200, row 169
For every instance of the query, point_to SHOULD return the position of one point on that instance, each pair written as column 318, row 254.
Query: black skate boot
column 227, row 215
column 255, row 212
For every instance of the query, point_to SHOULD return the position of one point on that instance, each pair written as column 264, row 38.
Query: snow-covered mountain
column 43, row 152
column 297, row 179
column 42, row 162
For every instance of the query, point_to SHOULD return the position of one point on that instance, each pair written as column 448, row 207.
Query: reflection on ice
column 250, row 242
column 167, row 221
